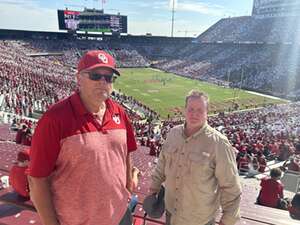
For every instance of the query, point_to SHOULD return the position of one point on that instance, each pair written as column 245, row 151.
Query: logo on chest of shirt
column 116, row 119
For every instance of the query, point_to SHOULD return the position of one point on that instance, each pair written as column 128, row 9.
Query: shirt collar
column 200, row 131
column 79, row 107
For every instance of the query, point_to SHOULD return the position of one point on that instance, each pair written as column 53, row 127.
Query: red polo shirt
column 85, row 161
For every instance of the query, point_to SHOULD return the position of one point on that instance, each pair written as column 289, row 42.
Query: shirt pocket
column 199, row 166
column 170, row 150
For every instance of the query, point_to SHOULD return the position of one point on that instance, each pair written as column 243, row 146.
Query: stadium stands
column 251, row 29
column 6, row 134
column 254, row 53
column 255, row 66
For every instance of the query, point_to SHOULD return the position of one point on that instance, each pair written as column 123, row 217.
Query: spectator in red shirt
column 21, row 133
column 17, row 174
column 261, row 162
column 293, row 163
column 271, row 193
column 152, row 148
column 80, row 169
column 26, row 137
column 244, row 164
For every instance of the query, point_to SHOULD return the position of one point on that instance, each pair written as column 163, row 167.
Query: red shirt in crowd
column 19, row 136
column 262, row 164
column 271, row 192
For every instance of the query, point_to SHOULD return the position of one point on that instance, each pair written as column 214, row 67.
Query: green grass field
column 165, row 92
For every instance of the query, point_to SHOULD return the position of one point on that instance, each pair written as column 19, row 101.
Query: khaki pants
column 169, row 215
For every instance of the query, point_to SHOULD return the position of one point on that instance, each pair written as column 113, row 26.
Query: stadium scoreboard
column 91, row 20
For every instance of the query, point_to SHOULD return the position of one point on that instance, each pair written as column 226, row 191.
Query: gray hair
column 197, row 94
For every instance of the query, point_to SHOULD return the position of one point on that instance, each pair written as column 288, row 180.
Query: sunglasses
column 96, row 76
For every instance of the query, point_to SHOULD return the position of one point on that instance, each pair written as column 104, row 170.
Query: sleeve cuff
column 229, row 220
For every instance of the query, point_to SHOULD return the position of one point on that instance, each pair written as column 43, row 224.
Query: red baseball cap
column 97, row 59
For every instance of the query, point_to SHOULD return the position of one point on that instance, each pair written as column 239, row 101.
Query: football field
column 165, row 92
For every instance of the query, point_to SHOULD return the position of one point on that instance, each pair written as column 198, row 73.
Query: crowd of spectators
column 125, row 54
column 29, row 84
column 268, row 133
column 253, row 29
column 257, row 135
column 261, row 67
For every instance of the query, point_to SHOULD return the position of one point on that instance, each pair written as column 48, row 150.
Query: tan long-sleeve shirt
column 200, row 175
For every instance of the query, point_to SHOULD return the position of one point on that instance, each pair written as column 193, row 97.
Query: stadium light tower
column 173, row 12
column 103, row 2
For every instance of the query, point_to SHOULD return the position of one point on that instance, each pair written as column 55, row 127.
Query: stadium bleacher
column 14, row 210
column 6, row 134
column 251, row 29
column 8, row 154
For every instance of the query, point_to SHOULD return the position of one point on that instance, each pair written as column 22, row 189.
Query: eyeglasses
column 110, row 78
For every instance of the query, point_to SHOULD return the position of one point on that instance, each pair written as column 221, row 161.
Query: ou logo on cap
column 103, row 58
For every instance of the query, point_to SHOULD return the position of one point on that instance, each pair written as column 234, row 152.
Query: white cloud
column 27, row 15
column 163, row 28
column 191, row 6
column 155, row 27
column 203, row 8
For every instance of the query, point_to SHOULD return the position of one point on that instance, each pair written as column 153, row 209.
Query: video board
column 94, row 21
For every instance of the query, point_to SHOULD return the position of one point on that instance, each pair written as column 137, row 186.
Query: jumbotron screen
column 93, row 21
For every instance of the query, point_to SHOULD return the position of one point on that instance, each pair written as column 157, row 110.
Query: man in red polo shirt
column 80, row 168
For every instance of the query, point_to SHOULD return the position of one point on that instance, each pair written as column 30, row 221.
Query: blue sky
column 192, row 17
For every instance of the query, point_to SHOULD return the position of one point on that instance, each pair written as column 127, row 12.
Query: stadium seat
column 291, row 181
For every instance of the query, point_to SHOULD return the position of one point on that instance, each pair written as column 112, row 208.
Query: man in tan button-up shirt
column 198, row 166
